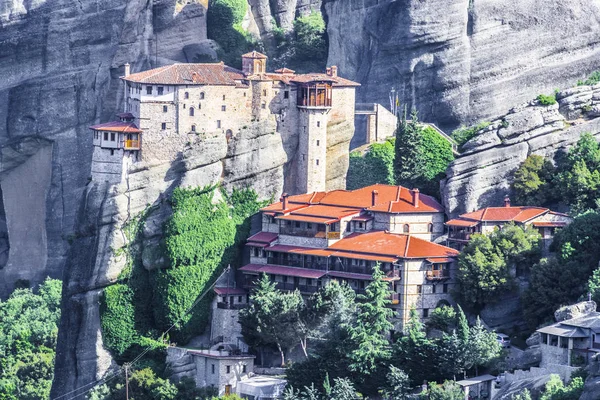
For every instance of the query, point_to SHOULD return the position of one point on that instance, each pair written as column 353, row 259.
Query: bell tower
column 254, row 63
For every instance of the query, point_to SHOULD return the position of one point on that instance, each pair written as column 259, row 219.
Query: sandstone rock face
column 462, row 61
column 482, row 175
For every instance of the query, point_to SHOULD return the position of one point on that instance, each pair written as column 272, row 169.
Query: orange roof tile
column 462, row 222
column 285, row 71
column 255, row 54
column 398, row 245
column 117, row 126
column 189, row 74
column 305, row 218
column 504, row 214
column 263, row 237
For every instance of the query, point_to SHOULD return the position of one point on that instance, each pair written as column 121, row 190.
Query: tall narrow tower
column 314, row 102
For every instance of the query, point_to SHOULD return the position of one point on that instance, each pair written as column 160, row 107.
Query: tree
column 273, row 317
column 448, row 391
column 343, row 389
column 406, row 159
column 556, row 390
column 532, row 180
column 310, row 43
column 435, row 154
column 522, row 395
column 483, row 347
column 594, row 285
column 372, row 326
column 483, row 274
column 442, row 318
column 398, row 384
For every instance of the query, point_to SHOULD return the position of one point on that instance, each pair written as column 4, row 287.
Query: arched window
column 191, row 111
column 406, row 228
column 186, row 95
column 201, row 95
column 193, row 128
column 430, row 228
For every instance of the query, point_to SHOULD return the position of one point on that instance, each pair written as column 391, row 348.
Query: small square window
column 318, row 142
column 165, row 109
column 445, row 288
column 223, row 97
column 309, row 225
column 112, row 152
column 419, row 289
column 228, row 369
column 297, row 224
column 317, row 162
column 105, row 135
column 244, row 368
column 286, row 94
column 433, row 289
column 186, row 95
column 425, row 312
column 148, row 89
column 318, row 124
column 219, row 124
column 112, row 136
column 264, row 92
column 193, row 128
column 239, row 299
column 160, row 90
column 223, row 108
column 244, row 94
column 213, row 368
column 263, row 105
column 163, row 126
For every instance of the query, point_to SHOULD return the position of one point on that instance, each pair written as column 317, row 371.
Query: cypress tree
column 407, row 155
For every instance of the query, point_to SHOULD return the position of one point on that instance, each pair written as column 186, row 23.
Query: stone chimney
column 506, row 201
column 328, row 71
column 374, row 197
column 284, row 201
column 416, row 197
column 334, row 71
column 127, row 69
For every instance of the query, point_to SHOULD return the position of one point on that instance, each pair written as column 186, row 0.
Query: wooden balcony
column 131, row 145
column 436, row 275
column 466, row 236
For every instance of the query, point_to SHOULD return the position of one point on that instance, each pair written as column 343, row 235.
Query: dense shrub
column 28, row 333
column 547, row 99
column 310, row 44
column 202, row 237
column 531, row 183
column 376, row 166
column 463, row 134
column 224, row 18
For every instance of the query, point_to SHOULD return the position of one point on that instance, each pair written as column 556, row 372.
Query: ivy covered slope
column 205, row 234
column 28, row 331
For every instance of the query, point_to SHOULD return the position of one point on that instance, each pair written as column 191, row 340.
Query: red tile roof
column 391, row 244
column 341, row 203
column 285, row 71
column 263, row 237
column 189, row 74
column 498, row 214
column 255, row 54
column 117, row 126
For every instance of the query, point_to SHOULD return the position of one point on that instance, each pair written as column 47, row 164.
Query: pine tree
column 398, row 384
column 372, row 326
column 407, row 155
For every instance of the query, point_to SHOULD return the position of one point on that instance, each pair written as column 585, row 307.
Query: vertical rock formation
column 461, row 61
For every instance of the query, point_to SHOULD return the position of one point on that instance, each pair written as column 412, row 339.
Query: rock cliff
column 482, row 175
column 461, row 61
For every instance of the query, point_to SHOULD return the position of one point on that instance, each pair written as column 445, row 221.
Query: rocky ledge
column 482, row 175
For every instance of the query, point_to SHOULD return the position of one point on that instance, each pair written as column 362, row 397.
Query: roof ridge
column 406, row 247
column 482, row 218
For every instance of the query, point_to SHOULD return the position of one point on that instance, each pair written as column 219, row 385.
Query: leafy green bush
column 310, row 45
column 532, row 180
column 28, row 332
column 593, row 79
column 463, row 134
column 376, row 166
column 547, row 99
column 118, row 318
column 223, row 19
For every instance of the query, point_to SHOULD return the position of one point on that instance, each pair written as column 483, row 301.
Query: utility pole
column 126, row 381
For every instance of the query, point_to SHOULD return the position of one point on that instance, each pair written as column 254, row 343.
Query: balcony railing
column 132, row 144
column 459, row 235
column 301, row 232
column 438, row 274
column 292, row 286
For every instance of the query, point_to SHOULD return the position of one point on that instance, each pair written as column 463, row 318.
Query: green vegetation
column 423, row 158
column 224, row 25
column 577, row 253
column 442, row 318
column 146, row 383
column 376, row 166
column 484, row 266
column 448, row 391
column 556, row 390
column 349, row 342
column 463, row 134
column 574, row 182
column 202, row 237
column 310, row 44
column 547, row 99
column 593, row 79
column 28, row 332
